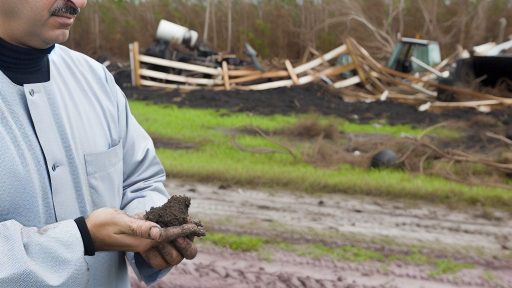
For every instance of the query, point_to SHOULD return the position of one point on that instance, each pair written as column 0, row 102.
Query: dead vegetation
column 486, row 161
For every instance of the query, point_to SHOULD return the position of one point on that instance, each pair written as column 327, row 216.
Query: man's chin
column 58, row 37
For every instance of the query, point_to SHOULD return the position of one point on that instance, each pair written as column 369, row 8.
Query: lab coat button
column 54, row 167
column 32, row 92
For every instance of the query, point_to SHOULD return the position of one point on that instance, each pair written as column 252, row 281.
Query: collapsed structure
column 341, row 68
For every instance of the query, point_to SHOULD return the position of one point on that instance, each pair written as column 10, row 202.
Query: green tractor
column 426, row 51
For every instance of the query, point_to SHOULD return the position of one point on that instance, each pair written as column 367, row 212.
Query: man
column 69, row 147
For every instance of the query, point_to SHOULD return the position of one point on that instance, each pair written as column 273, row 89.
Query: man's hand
column 169, row 254
column 176, row 244
column 114, row 230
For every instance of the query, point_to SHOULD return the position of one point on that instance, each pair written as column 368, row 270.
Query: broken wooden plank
column 426, row 66
column 357, row 63
column 179, row 78
column 314, row 52
column 242, row 73
column 135, row 64
column 150, row 83
column 305, row 56
column 483, row 106
column 326, row 57
column 332, row 71
column 454, row 89
column 447, row 60
column 289, row 67
column 268, row 85
column 225, row 75
column 337, row 70
column 424, row 90
column 261, row 75
column 374, row 64
column 470, row 104
column 347, row 82
column 179, row 65
column 401, row 83
column 367, row 64
column 409, row 98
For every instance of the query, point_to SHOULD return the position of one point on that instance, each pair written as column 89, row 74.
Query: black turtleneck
column 24, row 65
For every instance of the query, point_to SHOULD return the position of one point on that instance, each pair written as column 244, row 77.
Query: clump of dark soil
column 172, row 213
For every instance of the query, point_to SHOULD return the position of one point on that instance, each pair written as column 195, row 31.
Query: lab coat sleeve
column 143, row 177
column 41, row 257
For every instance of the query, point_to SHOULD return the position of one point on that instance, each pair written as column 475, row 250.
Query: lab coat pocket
column 105, row 177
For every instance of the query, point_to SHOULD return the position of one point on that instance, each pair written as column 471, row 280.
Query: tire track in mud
column 368, row 217
column 217, row 267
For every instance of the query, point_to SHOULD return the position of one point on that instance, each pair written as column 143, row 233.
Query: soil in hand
column 172, row 213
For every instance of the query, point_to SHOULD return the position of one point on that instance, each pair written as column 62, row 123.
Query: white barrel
column 175, row 33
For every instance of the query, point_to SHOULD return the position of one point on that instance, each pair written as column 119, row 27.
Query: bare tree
column 207, row 20
column 230, row 25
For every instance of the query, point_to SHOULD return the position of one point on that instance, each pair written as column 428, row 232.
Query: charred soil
column 313, row 98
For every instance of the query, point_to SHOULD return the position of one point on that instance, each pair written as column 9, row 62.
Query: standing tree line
column 286, row 28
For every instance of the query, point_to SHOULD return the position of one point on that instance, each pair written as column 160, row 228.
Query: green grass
column 343, row 253
column 446, row 266
column 263, row 247
column 415, row 257
column 489, row 276
column 217, row 159
column 396, row 130
column 198, row 124
column 244, row 243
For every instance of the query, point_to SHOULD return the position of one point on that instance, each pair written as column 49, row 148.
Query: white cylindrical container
column 175, row 33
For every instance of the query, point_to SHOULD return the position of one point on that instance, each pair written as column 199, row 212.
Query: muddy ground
column 480, row 238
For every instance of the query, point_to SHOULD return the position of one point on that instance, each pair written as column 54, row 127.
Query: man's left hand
column 173, row 246
column 168, row 254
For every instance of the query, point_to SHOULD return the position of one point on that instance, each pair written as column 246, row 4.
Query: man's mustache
column 65, row 8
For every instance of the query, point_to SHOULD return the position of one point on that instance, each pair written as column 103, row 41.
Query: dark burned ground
column 313, row 98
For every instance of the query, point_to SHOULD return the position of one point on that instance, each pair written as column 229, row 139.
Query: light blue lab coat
column 67, row 148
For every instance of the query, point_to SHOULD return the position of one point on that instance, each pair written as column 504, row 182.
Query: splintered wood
column 378, row 82
column 231, row 77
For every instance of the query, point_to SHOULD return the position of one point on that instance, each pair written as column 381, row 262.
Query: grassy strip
column 191, row 124
column 217, row 163
column 248, row 243
column 395, row 130
column 198, row 125
column 218, row 160
column 447, row 266
column 245, row 243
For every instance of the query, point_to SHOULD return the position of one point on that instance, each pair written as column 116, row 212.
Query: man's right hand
column 114, row 230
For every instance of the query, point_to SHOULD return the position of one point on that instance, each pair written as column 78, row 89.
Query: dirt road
column 480, row 238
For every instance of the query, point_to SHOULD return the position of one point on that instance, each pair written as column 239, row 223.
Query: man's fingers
column 186, row 248
column 191, row 220
column 143, row 229
column 171, row 233
column 139, row 215
column 155, row 259
column 170, row 254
